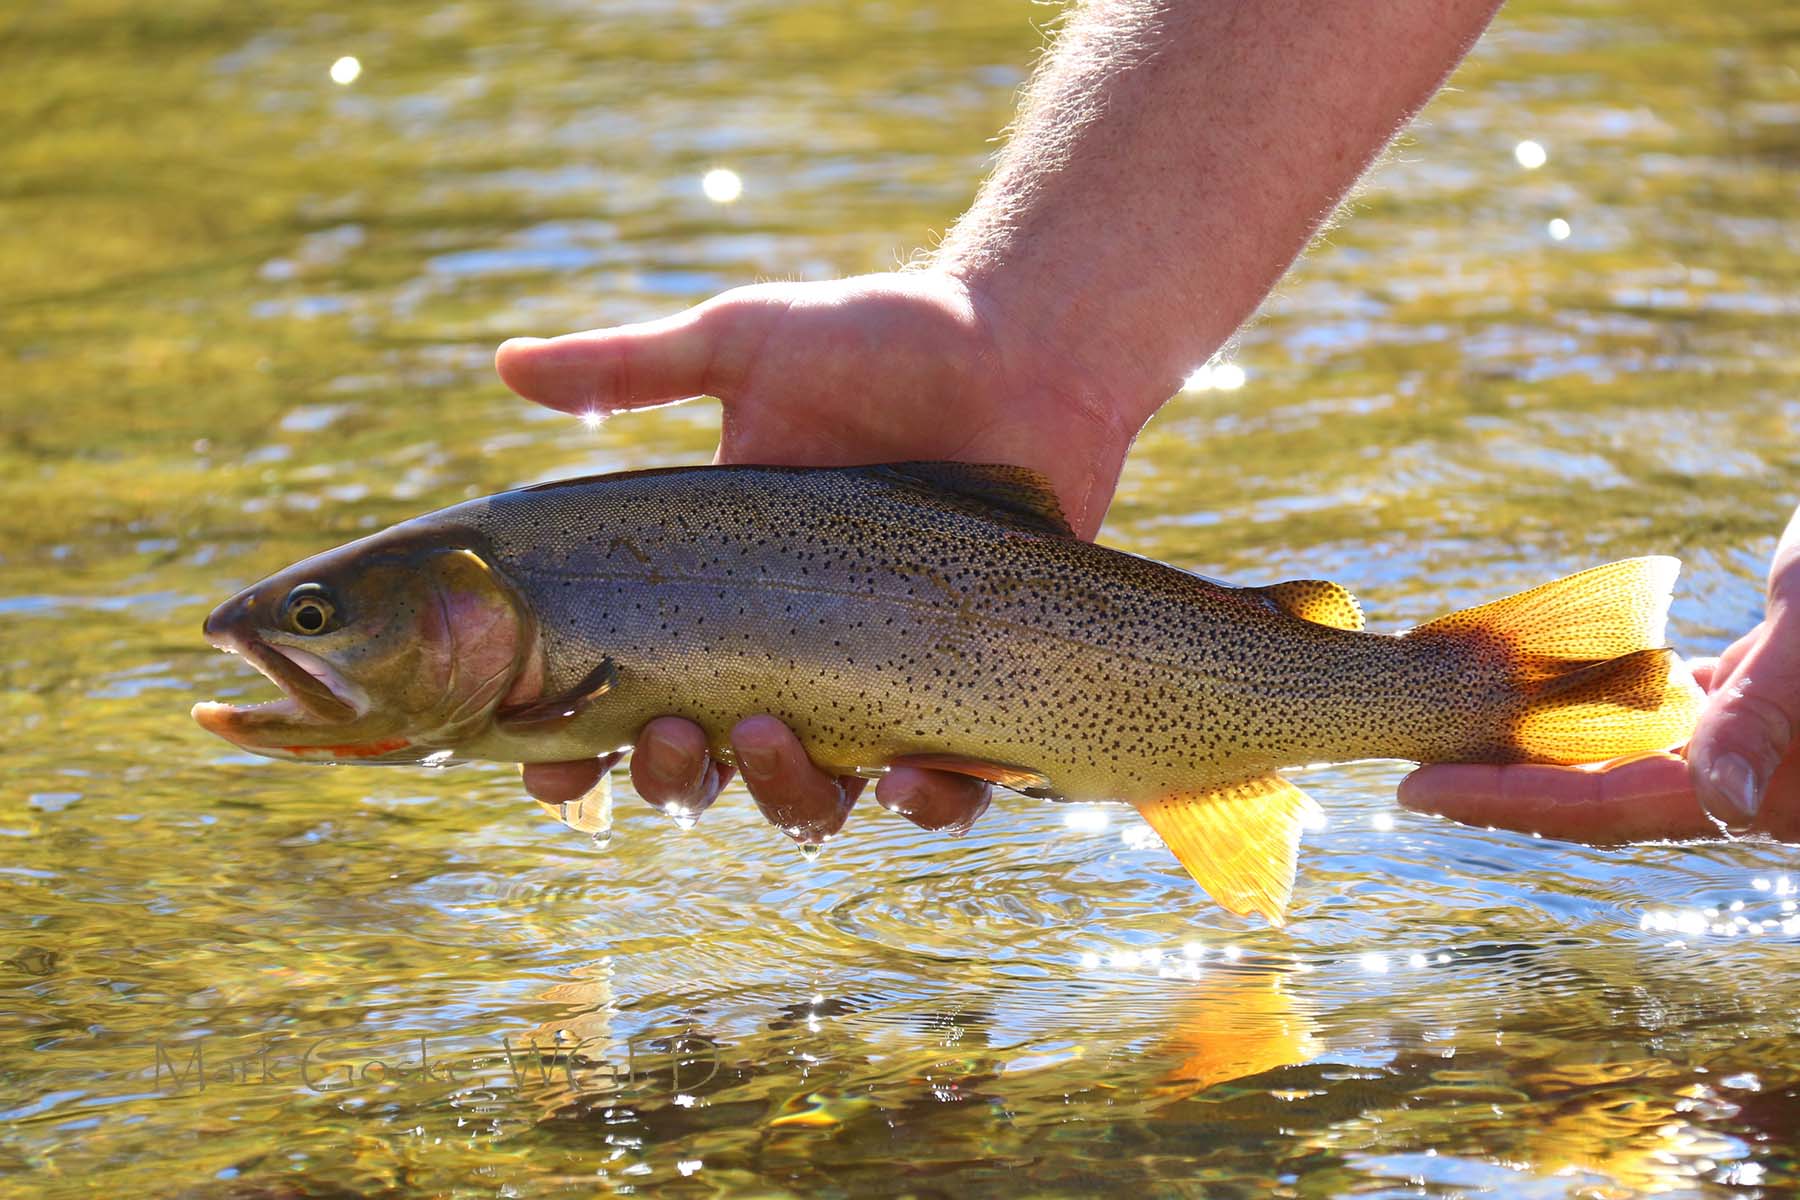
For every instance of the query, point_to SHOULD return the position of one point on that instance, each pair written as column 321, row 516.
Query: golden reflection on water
column 248, row 302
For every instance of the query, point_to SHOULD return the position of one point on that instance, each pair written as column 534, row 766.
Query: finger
column 1748, row 723
column 564, row 782
column 935, row 800
column 799, row 799
column 671, row 769
column 1648, row 798
column 1780, row 816
column 606, row 370
column 707, row 350
column 1709, row 673
column 1726, row 664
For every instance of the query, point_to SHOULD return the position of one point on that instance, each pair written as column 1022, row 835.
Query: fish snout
column 224, row 625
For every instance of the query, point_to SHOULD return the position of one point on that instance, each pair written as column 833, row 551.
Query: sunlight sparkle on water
column 593, row 418
column 1558, row 229
column 1168, row 964
column 1139, row 837
column 1693, row 923
column 345, row 70
column 1530, row 155
column 1087, row 819
column 721, row 185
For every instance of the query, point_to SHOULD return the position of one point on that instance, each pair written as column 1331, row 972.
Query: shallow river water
column 247, row 312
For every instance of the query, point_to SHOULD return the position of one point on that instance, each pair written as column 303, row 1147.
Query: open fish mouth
column 310, row 687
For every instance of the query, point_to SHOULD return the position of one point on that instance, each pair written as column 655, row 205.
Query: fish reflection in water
column 1234, row 1024
column 1240, row 1040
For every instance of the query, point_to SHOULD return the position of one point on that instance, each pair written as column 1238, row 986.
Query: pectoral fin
column 537, row 714
column 1238, row 842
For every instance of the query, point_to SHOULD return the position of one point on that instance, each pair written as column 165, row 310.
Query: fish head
column 390, row 649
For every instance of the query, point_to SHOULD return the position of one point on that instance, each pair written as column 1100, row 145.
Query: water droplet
column 602, row 838
column 810, row 850
column 684, row 820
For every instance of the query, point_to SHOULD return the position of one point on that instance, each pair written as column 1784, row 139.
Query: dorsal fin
column 1020, row 493
column 1317, row 600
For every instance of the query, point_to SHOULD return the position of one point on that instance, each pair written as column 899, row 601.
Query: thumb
column 608, row 370
column 1752, row 717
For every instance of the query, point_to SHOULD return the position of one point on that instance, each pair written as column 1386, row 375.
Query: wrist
column 1052, row 343
column 1041, row 402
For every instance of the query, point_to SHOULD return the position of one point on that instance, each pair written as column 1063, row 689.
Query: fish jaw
column 315, row 697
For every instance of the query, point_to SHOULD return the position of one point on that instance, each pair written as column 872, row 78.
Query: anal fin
column 1239, row 842
column 1005, row 774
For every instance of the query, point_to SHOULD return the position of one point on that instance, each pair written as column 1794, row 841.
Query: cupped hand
column 1741, row 770
column 881, row 368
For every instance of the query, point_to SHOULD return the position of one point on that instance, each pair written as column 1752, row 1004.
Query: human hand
column 1741, row 771
column 880, row 368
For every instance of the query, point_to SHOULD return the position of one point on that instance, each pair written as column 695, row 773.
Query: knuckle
column 1769, row 714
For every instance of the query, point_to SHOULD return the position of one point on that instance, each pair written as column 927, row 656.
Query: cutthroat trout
column 930, row 614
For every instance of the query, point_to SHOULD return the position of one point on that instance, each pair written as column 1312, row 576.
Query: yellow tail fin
column 1586, row 653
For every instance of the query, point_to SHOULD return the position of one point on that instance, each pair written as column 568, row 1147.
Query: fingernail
column 757, row 760
column 1736, row 792
column 524, row 341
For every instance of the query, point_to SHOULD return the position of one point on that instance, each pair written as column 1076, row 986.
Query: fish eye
column 308, row 609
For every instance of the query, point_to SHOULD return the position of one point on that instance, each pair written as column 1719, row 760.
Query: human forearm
column 1171, row 159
